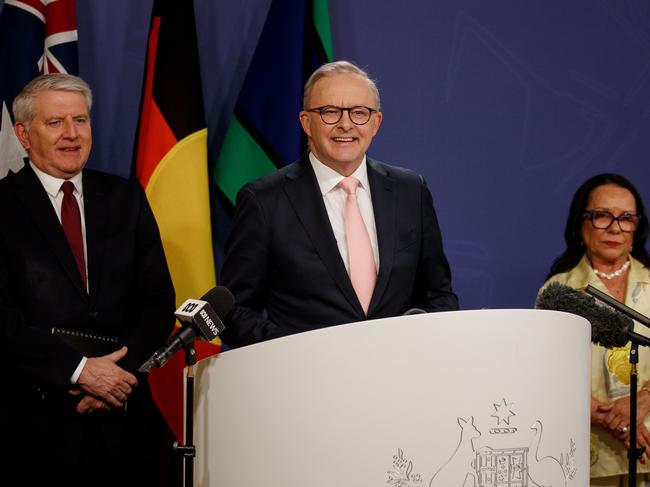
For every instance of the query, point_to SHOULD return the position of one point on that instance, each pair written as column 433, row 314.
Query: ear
column 378, row 119
column 22, row 134
column 305, row 122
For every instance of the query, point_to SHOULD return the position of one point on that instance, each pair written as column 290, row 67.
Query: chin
column 71, row 168
column 347, row 159
column 613, row 256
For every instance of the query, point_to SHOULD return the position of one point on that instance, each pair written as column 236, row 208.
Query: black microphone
column 199, row 318
column 609, row 328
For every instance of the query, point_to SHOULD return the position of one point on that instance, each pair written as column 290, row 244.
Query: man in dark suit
column 295, row 258
column 87, row 260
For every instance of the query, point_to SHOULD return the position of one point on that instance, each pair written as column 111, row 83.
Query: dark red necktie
column 71, row 222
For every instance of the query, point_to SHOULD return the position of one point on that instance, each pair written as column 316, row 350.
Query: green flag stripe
column 241, row 160
column 322, row 24
column 242, row 157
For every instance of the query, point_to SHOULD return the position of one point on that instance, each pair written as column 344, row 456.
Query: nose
column 345, row 122
column 69, row 128
column 614, row 227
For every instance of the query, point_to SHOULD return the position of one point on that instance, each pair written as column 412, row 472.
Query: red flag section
column 155, row 138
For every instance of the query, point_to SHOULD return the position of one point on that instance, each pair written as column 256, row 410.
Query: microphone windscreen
column 221, row 300
column 609, row 328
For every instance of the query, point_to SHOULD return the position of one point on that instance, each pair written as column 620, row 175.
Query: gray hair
column 23, row 106
column 333, row 69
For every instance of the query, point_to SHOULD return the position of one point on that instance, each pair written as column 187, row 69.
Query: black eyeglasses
column 330, row 114
column 602, row 220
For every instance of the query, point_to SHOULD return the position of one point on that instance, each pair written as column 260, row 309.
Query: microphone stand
column 633, row 453
column 188, row 451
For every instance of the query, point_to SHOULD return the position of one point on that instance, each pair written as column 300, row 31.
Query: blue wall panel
column 505, row 107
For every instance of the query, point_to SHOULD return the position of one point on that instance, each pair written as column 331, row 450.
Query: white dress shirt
column 334, row 199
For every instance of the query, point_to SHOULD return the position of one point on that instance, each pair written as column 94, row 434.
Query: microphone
column 414, row 311
column 198, row 318
column 609, row 328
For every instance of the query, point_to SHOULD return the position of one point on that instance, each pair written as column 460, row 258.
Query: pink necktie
column 71, row 222
column 363, row 271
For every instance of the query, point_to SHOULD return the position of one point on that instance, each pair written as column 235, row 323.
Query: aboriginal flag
column 172, row 166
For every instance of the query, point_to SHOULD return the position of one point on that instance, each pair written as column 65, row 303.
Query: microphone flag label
column 210, row 321
column 189, row 308
column 203, row 316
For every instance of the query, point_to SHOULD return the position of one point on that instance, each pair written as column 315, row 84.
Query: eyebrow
column 609, row 210
column 62, row 117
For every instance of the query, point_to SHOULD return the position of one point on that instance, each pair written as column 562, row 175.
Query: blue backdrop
column 505, row 107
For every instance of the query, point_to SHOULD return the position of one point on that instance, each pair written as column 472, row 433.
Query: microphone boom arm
column 626, row 310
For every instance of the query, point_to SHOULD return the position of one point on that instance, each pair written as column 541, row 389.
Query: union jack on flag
column 36, row 36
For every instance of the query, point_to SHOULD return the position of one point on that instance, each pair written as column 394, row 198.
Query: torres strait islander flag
column 36, row 36
column 264, row 132
column 172, row 160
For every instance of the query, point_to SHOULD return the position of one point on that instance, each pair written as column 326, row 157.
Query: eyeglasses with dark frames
column 603, row 219
column 331, row 114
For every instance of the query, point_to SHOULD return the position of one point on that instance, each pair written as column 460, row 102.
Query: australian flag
column 36, row 36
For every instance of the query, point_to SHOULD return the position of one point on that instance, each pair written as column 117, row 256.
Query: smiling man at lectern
column 335, row 237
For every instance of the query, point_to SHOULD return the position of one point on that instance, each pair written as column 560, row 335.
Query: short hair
column 337, row 68
column 573, row 232
column 23, row 106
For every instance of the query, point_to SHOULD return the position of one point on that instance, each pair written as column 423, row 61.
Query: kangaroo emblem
column 458, row 468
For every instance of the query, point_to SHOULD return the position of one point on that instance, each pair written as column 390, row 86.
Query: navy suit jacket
column 131, row 297
column 285, row 270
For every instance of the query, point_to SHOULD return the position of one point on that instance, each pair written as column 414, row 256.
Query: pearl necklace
column 611, row 275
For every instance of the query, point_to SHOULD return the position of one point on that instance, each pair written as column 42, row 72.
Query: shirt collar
column 328, row 179
column 638, row 272
column 52, row 185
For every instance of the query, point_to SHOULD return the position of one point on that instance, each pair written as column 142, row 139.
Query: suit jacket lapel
column 384, row 207
column 95, row 211
column 33, row 197
column 304, row 193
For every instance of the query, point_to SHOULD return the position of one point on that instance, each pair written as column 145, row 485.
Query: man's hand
column 105, row 380
column 89, row 404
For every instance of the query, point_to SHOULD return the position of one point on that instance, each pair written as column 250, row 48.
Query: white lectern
column 490, row 398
